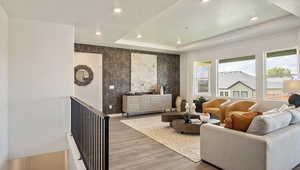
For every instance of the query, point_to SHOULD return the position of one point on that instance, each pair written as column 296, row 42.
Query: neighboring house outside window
column 237, row 78
column 244, row 94
column 224, row 93
column 236, row 93
column 202, row 71
column 280, row 66
column 221, row 93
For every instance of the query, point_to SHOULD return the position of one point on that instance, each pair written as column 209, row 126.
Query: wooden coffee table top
column 170, row 116
column 192, row 128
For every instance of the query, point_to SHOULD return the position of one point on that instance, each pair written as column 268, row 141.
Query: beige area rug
column 184, row 144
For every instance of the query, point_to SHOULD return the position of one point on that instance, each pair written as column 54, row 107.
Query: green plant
column 279, row 72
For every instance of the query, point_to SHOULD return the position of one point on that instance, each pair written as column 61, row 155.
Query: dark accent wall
column 117, row 68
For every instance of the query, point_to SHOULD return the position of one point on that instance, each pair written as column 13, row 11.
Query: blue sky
column 245, row 66
column 289, row 61
column 249, row 66
column 202, row 72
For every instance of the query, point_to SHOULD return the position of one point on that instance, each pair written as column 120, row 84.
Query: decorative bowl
column 204, row 117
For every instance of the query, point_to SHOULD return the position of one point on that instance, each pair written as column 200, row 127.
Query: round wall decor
column 83, row 75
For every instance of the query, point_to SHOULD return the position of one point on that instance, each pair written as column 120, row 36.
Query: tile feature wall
column 117, row 72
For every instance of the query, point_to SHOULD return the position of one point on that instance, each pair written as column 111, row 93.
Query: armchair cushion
column 240, row 107
column 236, row 112
column 216, row 106
column 215, row 110
column 215, row 102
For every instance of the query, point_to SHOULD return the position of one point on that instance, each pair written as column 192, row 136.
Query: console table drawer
column 146, row 103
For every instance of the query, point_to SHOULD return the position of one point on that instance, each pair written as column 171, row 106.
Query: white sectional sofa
column 234, row 150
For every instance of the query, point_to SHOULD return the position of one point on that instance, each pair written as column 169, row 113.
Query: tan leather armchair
column 216, row 107
column 240, row 107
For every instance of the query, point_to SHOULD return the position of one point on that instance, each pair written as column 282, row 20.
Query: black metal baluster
column 89, row 128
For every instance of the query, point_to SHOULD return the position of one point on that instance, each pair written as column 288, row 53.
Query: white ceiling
column 292, row 6
column 90, row 15
column 203, row 20
column 160, row 22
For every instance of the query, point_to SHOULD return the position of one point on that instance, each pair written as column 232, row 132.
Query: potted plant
column 198, row 102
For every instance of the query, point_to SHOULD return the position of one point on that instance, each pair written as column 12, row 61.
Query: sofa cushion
column 283, row 108
column 275, row 110
column 295, row 116
column 213, row 110
column 240, row 122
column 264, row 124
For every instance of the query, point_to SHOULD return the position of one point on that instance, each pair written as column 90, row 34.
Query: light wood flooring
column 131, row 150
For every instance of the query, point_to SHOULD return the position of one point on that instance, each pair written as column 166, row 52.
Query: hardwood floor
column 131, row 150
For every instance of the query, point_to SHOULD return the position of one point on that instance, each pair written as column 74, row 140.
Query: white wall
column 3, row 88
column 256, row 46
column 74, row 161
column 40, row 81
column 183, row 76
column 91, row 93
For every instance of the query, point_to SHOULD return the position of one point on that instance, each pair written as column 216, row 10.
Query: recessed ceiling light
column 253, row 18
column 118, row 10
column 139, row 36
column 205, row 1
column 178, row 41
column 98, row 33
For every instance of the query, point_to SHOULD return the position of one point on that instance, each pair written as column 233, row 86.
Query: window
column 202, row 78
column 226, row 93
column 236, row 94
column 223, row 93
column 244, row 94
column 280, row 66
column 237, row 76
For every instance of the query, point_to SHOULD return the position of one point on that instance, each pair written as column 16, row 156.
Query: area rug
column 184, row 144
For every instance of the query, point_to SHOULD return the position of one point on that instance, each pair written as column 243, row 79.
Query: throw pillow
column 264, row 124
column 240, row 122
column 228, row 123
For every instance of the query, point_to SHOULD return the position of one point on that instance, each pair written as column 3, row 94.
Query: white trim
column 256, row 46
column 264, row 98
column 217, row 78
column 146, row 45
column 209, row 80
column 100, row 65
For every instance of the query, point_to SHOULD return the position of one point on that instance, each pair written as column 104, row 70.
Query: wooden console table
column 147, row 103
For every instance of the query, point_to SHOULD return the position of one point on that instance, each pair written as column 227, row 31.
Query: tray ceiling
column 161, row 23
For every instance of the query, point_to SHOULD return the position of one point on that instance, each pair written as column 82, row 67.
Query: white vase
column 193, row 108
column 187, row 107
column 161, row 90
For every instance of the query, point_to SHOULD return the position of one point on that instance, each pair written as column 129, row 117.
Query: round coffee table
column 191, row 128
column 170, row 116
